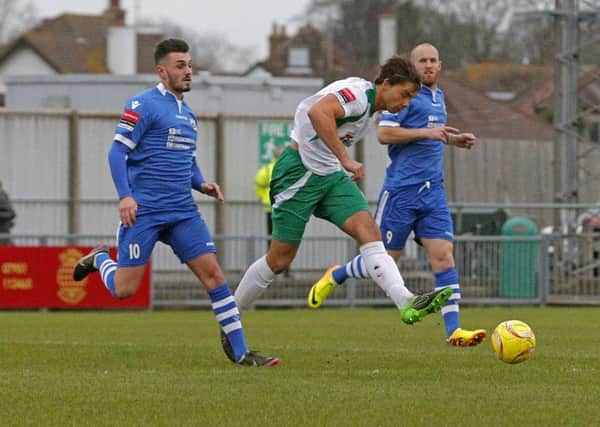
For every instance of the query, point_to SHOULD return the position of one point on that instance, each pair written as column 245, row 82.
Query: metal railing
column 544, row 269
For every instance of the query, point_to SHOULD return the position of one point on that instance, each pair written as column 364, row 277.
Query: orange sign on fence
column 41, row 277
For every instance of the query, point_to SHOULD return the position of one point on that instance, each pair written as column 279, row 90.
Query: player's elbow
column 312, row 114
column 383, row 136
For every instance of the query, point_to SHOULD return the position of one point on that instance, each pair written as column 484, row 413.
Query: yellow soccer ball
column 513, row 341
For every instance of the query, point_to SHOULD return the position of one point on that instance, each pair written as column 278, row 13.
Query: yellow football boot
column 465, row 338
column 322, row 288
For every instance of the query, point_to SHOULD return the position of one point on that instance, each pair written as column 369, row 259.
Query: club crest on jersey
column 193, row 124
column 347, row 95
column 346, row 140
column 128, row 120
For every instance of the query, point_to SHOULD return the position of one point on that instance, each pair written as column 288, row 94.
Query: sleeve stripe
column 128, row 142
column 389, row 123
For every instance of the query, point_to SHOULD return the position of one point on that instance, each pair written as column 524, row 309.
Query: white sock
column 256, row 280
column 383, row 270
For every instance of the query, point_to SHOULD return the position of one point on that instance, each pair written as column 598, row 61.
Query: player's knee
column 368, row 232
column 126, row 289
column 214, row 274
column 278, row 263
column 442, row 261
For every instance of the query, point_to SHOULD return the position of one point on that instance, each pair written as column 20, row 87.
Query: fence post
column 220, row 172
column 544, row 270
column 250, row 251
column 73, row 173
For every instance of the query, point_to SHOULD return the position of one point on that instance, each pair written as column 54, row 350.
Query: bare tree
column 210, row 51
column 466, row 31
column 15, row 17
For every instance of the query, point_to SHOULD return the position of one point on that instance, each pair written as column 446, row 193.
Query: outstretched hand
column 464, row 140
column 212, row 189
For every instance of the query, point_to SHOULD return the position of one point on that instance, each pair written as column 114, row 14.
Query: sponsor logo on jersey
column 347, row 95
column 135, row 104
column 128, row 120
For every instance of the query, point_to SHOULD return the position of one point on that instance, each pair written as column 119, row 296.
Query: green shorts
column 297, row 193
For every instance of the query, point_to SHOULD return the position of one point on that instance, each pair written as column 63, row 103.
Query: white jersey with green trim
column 357, row 97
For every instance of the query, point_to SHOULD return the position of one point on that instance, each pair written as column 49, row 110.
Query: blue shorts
column 419, row 208
column 186, row 234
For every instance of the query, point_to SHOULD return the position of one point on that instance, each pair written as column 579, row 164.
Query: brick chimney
column 387, row 35
column 115, row 14
column 277, row 39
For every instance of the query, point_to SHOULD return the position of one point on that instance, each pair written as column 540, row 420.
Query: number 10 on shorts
column 134, row 251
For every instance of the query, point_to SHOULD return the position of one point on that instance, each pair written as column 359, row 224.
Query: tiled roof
column 71, row 43
column 541, row 95
column 470, row 110
column 77, row 44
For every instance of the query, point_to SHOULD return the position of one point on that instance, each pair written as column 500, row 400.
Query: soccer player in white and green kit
column 310, row 178
column 413, row 197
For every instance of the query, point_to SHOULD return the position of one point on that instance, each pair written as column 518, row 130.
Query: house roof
column 541, row 94
column 68, row 43
column 310, row 37
column 72, row 43
column 470, row 110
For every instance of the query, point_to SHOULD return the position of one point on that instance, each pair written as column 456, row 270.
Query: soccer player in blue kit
column 153, row 166
column 413, row 197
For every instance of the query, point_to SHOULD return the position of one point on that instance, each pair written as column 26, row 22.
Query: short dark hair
column 167, row 46
column 398, row 69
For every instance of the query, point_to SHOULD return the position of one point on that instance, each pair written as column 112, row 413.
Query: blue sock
column 228, row 316
column 450, row 311
column 107, row 269
column 355, row 268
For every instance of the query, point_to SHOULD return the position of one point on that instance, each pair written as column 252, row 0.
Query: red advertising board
column 41, row 277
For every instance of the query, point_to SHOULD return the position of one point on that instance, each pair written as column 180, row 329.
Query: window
column 299, row 60
column 298, row 57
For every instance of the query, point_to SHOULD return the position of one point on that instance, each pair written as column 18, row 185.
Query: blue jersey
column 160, row 131
column 418, row 161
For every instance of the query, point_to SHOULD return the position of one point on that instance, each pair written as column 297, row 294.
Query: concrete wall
column 210, row 94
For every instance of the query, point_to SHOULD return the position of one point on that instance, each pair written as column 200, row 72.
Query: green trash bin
column 518, row 260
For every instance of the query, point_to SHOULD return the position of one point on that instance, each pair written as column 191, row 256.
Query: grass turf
column 340, row 367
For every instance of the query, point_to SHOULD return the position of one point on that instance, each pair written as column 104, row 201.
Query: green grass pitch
column 339, row 367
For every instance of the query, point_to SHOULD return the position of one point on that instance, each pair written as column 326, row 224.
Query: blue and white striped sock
column 450, row 311
column 228, row 316
column 355, row 269
column 107, row 268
